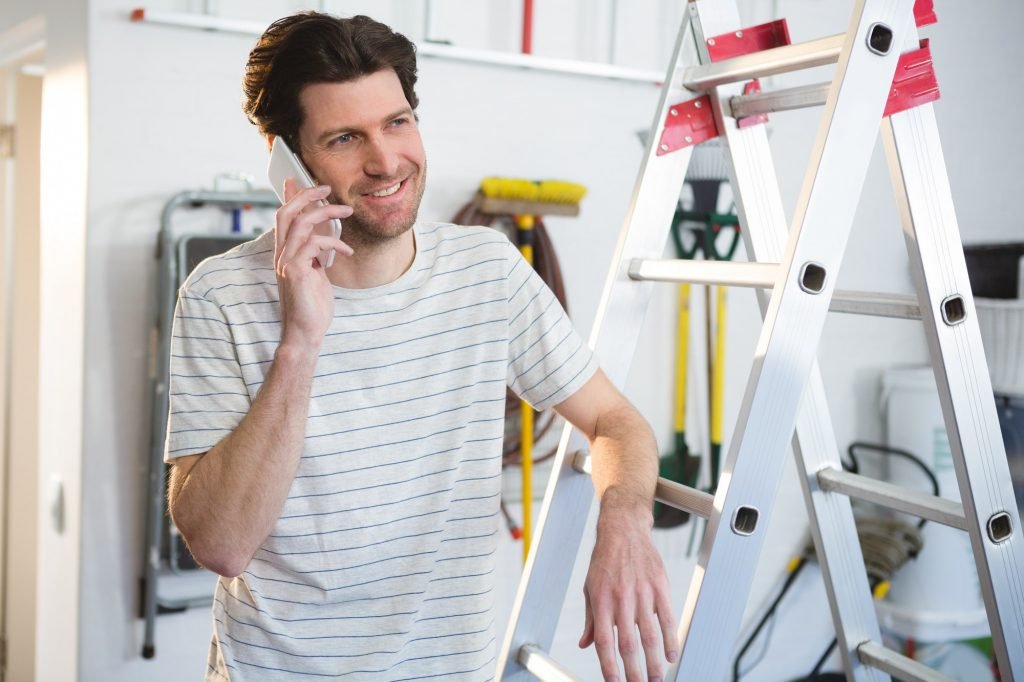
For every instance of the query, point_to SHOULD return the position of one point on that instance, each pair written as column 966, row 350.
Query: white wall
column 165, row 116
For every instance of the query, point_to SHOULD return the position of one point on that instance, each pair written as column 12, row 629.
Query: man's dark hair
column 312, row 47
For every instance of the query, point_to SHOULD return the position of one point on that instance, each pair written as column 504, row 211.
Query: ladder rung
column 669, row 492
column 737, row 274
column 765, row 63
column 877, row 304
column 779, row 100
column 542, row 666
column 763, row 276
column 937, row 509
column 684, row 497
column 898, row 665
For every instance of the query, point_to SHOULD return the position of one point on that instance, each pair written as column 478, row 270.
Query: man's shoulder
column 249, row 263
column 465, row 242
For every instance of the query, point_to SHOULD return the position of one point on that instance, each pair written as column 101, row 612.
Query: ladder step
column 542, row 666
column 729, row 273
column 937, row 509
column 763, row 276
column 800, row 97
column 669, row 492
column 765, row 63
column 878, row 304
column 684, row 497
column 898, row 665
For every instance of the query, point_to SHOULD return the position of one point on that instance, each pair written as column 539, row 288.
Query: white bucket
column 936, row 597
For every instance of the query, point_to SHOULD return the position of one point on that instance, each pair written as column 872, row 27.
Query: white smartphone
column 284, row 163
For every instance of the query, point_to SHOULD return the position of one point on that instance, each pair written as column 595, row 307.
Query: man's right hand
column 307, row 298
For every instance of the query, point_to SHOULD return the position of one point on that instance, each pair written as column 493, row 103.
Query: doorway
column 21, row 86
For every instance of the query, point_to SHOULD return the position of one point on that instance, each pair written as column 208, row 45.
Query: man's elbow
column 212, row 553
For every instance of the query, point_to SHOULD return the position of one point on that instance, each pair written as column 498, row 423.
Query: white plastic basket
column 1002, row 335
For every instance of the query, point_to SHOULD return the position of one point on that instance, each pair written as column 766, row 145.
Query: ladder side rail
column 759, row 206
column 785, row 352
column 832, row 524
column 918, row 173
column 570, row 494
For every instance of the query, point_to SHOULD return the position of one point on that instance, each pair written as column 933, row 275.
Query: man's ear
column 270, row 141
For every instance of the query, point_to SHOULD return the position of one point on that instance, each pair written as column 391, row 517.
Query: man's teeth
column 387, row 192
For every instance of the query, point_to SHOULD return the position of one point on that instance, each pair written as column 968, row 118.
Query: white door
column 20, row 115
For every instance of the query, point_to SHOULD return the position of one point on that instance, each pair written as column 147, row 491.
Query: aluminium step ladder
column 883, row 74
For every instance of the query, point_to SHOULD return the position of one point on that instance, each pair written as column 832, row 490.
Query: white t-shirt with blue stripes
column 381, row 565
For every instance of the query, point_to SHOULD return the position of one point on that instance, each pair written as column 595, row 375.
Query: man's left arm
column 626, row 589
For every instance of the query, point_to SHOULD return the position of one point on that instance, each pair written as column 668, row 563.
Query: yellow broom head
column 546, row 191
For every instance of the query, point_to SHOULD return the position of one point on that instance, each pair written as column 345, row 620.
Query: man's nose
column 381, row 159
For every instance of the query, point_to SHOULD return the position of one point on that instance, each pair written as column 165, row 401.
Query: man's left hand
column 627, row 591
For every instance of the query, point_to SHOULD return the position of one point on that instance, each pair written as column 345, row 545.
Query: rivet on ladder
column 879, row 39
column 664, row 147
column 953, row 310
column 812, row 277
column 744, row 520
column 673, row 112
column 999, row 527
column 711, row 41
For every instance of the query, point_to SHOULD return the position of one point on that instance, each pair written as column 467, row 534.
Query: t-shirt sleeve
column 208, row 396
column 548, row 360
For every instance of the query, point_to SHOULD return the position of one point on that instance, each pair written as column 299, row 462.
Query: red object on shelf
column 747, row 40
column 527, row 26
column 138, row 14
column 688, row 123
column 751, row 88
column 924, row 12
column 914, row 82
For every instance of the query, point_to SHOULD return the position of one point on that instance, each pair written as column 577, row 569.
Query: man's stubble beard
column 365, row 235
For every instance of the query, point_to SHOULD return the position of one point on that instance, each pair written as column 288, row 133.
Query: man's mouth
column 387, row 191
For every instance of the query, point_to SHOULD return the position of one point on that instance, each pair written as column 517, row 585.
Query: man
column 336, row 433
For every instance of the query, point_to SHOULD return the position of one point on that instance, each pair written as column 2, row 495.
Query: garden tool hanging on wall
column 698, row 232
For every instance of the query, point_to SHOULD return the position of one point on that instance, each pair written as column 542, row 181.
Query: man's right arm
column 226, row 501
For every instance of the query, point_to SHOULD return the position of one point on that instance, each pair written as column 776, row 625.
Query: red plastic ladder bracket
column 924, row 12
column 751, row 88
column 748, row 40
column 688, row 123
column 914, row 83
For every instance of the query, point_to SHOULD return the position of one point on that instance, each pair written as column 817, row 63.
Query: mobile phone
column 284, row 163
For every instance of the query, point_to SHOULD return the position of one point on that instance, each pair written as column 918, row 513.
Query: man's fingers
column 312, row 248
column 304, row 225
column 629, row 648
column 292, row 207
column 604, row 642
column 588, row 623
column 650, row 639
column 669, row 631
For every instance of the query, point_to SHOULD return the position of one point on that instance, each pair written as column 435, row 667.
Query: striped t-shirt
column 381, row 565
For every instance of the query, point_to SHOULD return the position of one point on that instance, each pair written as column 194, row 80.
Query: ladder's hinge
column 7, row 141
column 914, row 83
column 748, row 40
column 688, row 123
column 924, row 12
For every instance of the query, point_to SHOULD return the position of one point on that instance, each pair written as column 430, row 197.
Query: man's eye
column 400, row 121
column 342, row 139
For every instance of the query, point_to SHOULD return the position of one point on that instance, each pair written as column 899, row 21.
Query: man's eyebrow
column 334, row 132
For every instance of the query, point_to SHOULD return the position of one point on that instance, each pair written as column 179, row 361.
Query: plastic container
column 937, row 596
column 996, row 272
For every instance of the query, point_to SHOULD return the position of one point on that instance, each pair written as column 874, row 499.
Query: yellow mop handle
column 524, row 223
column 682, row 350
column 718, row 407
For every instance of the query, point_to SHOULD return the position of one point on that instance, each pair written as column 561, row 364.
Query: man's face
column 361, row 138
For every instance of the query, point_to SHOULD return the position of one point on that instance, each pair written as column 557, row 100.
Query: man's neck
column 374, row 265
